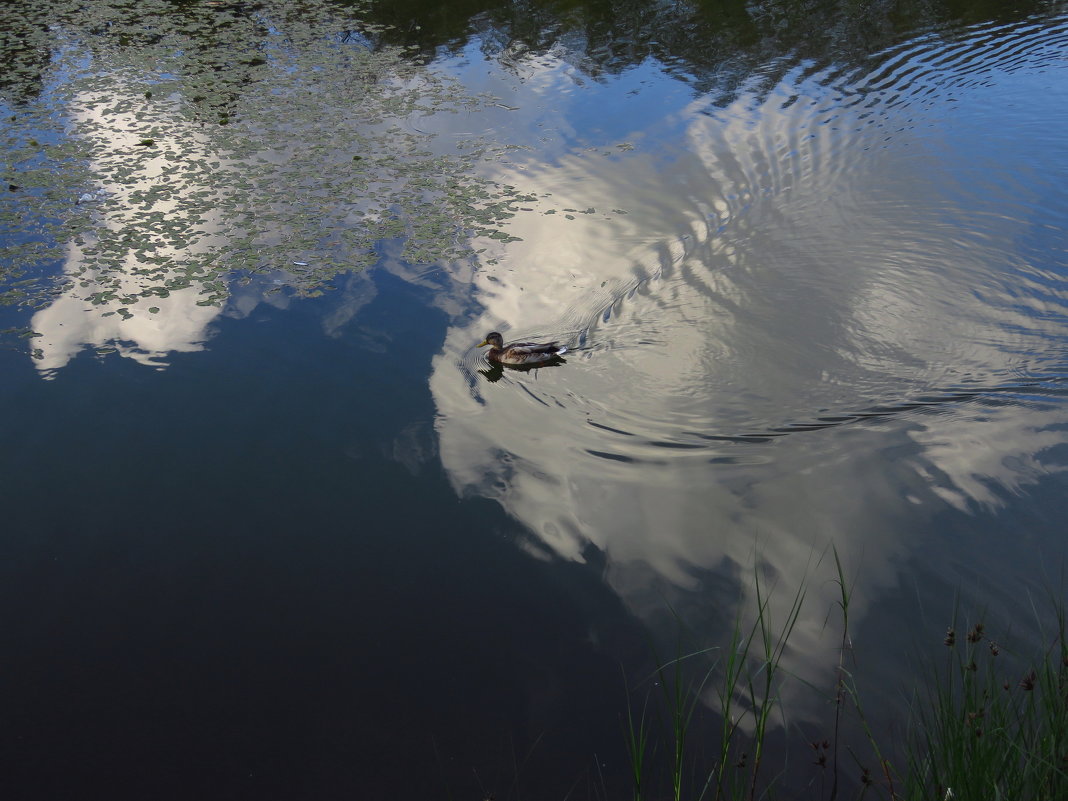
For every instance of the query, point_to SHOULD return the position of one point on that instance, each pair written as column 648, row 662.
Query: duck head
column 494, row 340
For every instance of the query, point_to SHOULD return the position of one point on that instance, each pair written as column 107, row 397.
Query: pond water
column 275, row 527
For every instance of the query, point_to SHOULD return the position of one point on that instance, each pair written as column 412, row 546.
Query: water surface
column 274, row 527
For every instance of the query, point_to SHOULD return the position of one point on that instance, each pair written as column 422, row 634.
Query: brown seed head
column 1027, row 683
column 951, row 637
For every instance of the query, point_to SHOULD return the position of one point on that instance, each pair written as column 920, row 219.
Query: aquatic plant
column 748, row 673
column 154, row 148
column 988, row 723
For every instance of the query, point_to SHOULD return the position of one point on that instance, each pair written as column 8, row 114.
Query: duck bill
column 483, row 343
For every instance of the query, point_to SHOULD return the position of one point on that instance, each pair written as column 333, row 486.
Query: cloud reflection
column 108, row 310
column 772, row 271
column 154, row 328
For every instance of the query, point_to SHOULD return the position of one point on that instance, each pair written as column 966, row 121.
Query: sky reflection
column 780, row 262
column 109, row 309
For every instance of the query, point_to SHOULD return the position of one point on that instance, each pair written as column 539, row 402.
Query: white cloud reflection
column 149, row 328
column 771, row 271
column 71, row 323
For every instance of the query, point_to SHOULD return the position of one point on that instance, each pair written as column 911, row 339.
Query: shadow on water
column 717, row 48
column 1054, row 388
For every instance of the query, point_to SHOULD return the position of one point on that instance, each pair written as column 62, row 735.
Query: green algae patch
column 152, row 147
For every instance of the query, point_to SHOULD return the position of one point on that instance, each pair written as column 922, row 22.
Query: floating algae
column 156, row 151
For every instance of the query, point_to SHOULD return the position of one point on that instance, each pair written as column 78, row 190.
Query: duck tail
column 562, row 351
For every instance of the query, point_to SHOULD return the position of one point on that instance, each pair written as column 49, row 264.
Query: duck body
column 522, row 354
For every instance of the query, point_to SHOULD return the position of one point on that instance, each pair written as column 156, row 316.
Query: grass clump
column 991, row 724
column 747, row 695
column 986, row 723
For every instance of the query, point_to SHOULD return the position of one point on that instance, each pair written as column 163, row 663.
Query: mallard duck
column 522, row 354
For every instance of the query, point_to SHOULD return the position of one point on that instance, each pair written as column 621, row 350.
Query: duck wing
column 527, row 348
column 531, row 353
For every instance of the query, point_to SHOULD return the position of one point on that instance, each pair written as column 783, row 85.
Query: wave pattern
column 854, row 244
column 836, row 311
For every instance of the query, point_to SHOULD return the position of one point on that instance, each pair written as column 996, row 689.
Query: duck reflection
column 496, row 371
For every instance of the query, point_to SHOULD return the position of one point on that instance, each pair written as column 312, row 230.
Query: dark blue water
column 249, row 576
column 284, row 533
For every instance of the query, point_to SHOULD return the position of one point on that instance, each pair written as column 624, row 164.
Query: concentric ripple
column 870, row 247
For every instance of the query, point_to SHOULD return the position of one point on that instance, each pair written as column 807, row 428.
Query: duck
column 522, row 354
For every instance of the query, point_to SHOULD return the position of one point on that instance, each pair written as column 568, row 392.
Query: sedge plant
column 748, row 676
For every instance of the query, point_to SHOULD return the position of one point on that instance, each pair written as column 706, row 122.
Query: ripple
column 851, row 252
